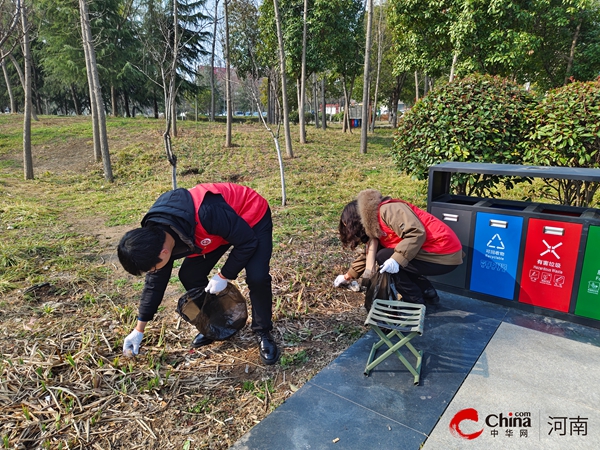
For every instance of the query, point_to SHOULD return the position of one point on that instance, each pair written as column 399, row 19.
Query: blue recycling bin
column 496, row 251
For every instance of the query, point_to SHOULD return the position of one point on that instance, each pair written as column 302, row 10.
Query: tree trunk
column 227, row 78
column 173, row 75
column 324, row 105
column 286, row 116
column 572, row 52
column 416, row 86
column 36, row 92
column 212, row 65
column 396, row 98
column 346, row 119
column 303, row 78
column 13, row 106
column 173, row 96
column 453, row 68
column 27, row 157
column 97, row 92
column 93, row 108
column 379, row 57
column 22, row 76
column 366, row 81
column 75, row 101
column 113, row 100
column 316, row 108
column 126, row 104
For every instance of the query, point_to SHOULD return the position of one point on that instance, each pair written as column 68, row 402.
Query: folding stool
column 399, row 317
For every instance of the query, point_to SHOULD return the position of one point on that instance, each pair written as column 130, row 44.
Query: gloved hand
column 131, row 344
column 390, row 266
column 340, row 280
column 216, row 284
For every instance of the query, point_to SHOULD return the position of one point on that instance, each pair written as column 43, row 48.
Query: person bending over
column 200, row 225
column 413, row 244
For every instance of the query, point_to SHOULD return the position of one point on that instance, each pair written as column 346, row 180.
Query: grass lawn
column 66, row 304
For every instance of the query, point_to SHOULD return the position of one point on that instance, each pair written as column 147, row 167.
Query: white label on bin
column 498, row 223
column 554, row 230
column 451, row 217
column 550, row 249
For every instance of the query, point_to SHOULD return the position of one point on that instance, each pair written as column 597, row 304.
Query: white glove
column 216, row 284
column 340, row 280
column 131, row 344
column 390, row 266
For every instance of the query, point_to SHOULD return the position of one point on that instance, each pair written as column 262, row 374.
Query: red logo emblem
column 465, row 414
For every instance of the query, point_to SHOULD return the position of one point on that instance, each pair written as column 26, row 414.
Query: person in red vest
column 413, row 244
column 200, row 224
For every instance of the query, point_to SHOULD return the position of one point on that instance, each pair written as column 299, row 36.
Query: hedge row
column 482, row 118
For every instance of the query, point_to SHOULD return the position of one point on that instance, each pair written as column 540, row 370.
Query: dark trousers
column 410, row 281
column 194, row 273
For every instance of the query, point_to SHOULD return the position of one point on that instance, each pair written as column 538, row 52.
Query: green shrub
column 337, row 117
column 478, row 118
column 295, row 117
column 566, row 132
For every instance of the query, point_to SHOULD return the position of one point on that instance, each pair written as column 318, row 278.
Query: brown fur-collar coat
column 404, row 222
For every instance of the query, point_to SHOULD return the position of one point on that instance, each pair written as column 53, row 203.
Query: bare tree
column 13, row 105
column 303, row 77
column 212, row 64
column 274, row 134
column 227, row 78
column 170, row 91
column 98, row 113
column 11, row 20
column 365, row 107
column 27, row 157
column 6, row 32
column 286, row 118
column 324, row 107
column 379, row 58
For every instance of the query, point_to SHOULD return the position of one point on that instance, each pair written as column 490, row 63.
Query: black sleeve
column 218, row 218
column 154, row 290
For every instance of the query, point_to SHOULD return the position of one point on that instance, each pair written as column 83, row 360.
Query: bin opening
column 509, row 207
column 561, row 213
column 463, row 201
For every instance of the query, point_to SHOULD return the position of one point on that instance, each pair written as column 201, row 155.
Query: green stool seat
column 405, row 320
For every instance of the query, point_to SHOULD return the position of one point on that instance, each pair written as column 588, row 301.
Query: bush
column 566, row 132
column 295, row 117
column 337, row 117
column 479, row 118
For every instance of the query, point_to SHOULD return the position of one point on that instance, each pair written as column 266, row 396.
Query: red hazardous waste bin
column 549, row 263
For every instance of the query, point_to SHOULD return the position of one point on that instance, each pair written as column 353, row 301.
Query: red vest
column 246, row 202
column 439, row 238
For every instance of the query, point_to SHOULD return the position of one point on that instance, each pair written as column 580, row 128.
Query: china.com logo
column 516, row 420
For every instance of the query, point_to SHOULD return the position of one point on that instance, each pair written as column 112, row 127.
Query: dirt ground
column 64, row 383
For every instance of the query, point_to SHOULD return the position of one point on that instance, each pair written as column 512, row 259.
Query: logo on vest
column 205, row 242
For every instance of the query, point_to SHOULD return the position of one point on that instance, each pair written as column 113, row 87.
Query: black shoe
column 431, row 297
column 200, row 341
column 267, row 348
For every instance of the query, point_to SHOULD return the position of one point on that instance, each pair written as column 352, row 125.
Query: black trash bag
column 216, row 316
column 381, row 286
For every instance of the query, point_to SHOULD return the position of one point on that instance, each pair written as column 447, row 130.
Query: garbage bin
column 588, row 295
column 355, row 123
column 496, row 250
column 522, row 253
column 458, row 213
column 549, row 263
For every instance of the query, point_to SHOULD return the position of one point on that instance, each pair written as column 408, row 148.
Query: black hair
column 352, row 232
column 139, row 249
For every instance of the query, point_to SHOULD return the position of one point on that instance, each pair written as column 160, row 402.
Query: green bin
column 588, row 295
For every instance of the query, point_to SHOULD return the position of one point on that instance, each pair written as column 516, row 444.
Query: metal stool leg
column 395, row 348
